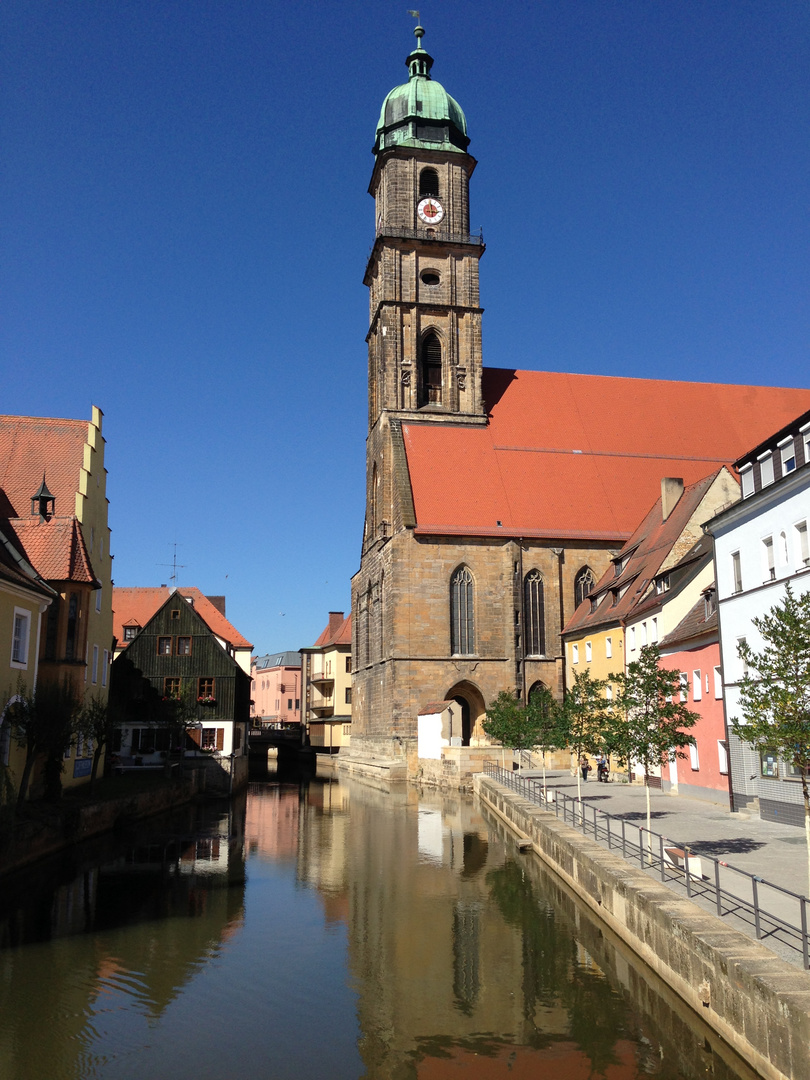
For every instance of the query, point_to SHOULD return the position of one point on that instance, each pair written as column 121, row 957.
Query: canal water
column 325, row 930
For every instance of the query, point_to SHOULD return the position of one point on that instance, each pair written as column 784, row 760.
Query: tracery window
column 462, row 613
column 583, row 585
column 534, row 615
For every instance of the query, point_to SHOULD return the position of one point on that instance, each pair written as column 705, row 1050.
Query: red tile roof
column 694, row 624
column 336, row 632
column 16, row 569
column 580, row 456
column 55, row 548
column 646, row 551
column 31, row 445
column 135, row 607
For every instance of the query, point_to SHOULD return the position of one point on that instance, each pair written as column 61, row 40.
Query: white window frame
column 631, row 638
column 718, row 683
column 608, row 693
column 722, row 757
column 574, row 654
column 105, row 663
column 654, row 629
column 588, row 652
column 805, row 433
column 608, row 647
column 697, row 685
column 736, row 573
column 787, row 451
column 644, row 634
column 802, row 544
column 95, row 666
column 747, row 480
column 768, row 559
column 98, row 600
column 765, row 469
column 684, row 684
column 694, row 758
column 20, row 642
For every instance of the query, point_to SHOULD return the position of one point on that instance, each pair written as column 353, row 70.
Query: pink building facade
column 276, row 690
column 693, row 648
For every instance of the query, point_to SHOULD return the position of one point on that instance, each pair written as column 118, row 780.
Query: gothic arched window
column 462, row 613
column 583, row 585
column 428, row 182
column 534, row 614
column 431, row 356
column 368, row 624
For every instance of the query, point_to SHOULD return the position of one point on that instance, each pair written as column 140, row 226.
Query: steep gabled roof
column 641, row 558
column 695, row 624
column 55, row 548
column 579, row 456
column 31, row 445
column 16, row 569
column 136, row 605
column 338, row 631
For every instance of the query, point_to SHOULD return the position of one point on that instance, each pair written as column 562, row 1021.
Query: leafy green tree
column 649, row 720
column 547, row 717
column 95, row 722
column 44, row 723
column 775, row 691
column 584, row 717
column 511, row 723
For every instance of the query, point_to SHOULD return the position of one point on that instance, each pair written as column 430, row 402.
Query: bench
column 677, row 857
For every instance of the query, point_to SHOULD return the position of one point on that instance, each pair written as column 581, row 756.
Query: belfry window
column 428, row 182
column 534, row 614
column 583, row 585
column 462, row 613
column 431, row 370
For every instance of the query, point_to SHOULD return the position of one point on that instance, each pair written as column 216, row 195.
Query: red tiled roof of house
column 31, row 445
column 431, row 708
column 136, row 605
column 55, row 548
column 580, row 456
column 694, row 624
column 646, row 551
column 336, row 632
column 16, row 569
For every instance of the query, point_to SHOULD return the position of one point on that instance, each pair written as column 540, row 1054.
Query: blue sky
column 186, row 224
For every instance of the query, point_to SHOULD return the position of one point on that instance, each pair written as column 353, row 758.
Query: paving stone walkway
column 771, row 851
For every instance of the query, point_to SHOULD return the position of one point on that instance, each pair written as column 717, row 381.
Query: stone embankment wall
column 32, row 840
column 758, row 1003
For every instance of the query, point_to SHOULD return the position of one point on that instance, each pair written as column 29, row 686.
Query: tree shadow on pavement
column 739, row 846
column 641, row 815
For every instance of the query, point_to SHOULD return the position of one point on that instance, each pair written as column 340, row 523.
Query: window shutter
column 220, row 738
column 194, row 735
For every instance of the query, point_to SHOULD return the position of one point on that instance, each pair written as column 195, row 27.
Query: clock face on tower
column 430, row 210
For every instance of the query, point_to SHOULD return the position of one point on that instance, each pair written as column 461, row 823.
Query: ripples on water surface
column 325, row 931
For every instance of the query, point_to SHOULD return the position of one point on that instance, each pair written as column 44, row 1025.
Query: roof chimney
column 671, row 491
column 335, row 621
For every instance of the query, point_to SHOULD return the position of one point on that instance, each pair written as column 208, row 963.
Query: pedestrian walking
column 584, row 766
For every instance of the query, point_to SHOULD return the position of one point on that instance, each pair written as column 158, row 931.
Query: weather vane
column 415, row 14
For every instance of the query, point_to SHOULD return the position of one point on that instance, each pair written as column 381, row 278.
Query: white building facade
column 760, row 544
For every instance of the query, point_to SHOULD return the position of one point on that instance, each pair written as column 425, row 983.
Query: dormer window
column 131, row 632
column 662, row 584
column 710, row 603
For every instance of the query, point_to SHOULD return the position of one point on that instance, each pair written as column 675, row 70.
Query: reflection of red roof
column 136, row 606
column 337, row 632
column 580, row 455
column 31, row 446
column 55, row 548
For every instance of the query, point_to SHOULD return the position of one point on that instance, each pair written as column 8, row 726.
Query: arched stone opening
column 471, row 710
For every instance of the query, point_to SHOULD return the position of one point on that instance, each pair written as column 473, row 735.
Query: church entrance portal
column 471, row 704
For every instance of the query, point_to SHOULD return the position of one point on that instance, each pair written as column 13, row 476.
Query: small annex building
column 495, row 498
column 180, row 683
column 326, row 673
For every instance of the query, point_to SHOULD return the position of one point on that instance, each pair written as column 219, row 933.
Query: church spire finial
column 419, row 62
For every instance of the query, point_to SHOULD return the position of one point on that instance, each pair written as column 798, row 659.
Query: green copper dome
column 421, row 113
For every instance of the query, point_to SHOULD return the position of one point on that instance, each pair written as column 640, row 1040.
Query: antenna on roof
column 174, row 565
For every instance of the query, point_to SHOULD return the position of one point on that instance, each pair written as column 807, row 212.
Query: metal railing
column 678, row 865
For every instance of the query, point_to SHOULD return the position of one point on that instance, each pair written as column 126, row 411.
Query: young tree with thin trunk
column 44, row 723
column 547, row 718
column 584, row 717
column 651, row 719
column 513, row 724
column 775, row 691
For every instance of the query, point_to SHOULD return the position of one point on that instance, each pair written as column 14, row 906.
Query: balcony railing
column 429, row 234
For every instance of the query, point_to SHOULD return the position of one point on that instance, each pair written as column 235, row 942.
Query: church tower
column 424, row 339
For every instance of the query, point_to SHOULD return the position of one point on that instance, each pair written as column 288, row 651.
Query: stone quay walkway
column 772, row 852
